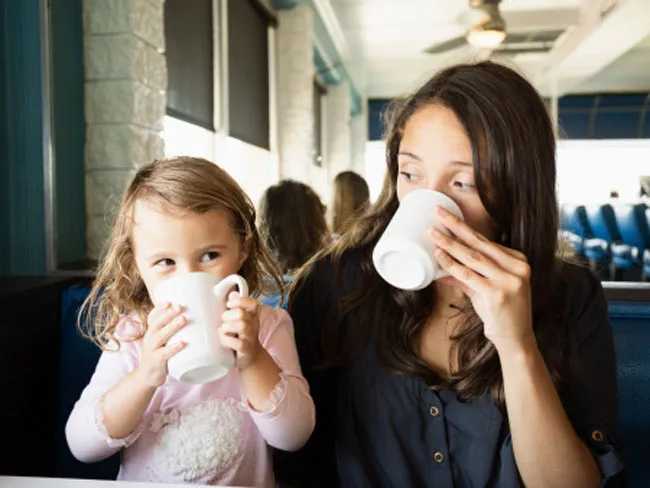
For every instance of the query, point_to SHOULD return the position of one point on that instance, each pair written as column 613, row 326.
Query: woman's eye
column 407, row 176
column 209, row 256
column 164, row 263
column 464, row 186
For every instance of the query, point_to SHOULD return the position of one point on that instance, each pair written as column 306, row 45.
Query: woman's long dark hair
column 513, row 148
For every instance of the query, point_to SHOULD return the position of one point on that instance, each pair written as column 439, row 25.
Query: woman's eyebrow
column 461, row 163
column 410, row 155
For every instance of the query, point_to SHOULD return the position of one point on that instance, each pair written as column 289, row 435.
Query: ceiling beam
column 607, row 30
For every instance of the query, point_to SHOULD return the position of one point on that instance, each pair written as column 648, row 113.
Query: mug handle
column 221, row 289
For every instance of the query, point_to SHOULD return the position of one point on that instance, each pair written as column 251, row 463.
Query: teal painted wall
column 22, row 149
column 66, row 33
column 4, row 167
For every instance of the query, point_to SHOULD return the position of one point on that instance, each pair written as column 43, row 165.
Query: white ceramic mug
column 404, row 255
column 203, row 297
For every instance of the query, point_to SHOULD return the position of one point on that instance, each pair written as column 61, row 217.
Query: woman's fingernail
column 435, row 232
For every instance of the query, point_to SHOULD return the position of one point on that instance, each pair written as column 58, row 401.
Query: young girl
column 179, row 216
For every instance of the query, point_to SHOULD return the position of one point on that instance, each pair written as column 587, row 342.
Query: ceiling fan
column 486, row 29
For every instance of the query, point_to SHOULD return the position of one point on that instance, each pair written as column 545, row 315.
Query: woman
column 351, row 198
column 502, row 374
column 293, row 227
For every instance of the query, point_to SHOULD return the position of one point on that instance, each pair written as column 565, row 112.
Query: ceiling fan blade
column 446, row 45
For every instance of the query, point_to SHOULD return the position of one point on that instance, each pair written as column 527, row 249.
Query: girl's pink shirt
column 205, row 434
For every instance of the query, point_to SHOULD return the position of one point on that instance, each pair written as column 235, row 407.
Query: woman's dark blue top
column 375, row 428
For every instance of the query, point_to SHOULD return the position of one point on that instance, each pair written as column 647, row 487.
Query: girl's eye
column 209, row 256
column 464, row 186
column 164, row 263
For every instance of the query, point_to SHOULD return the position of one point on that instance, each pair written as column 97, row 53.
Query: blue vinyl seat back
column 78, row 358
column 631, row 324
column 603, row 222
column 576, row 220
column 633, row 224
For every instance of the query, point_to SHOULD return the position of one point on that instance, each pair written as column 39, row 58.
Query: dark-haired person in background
column 292, row 225
column 351, row 197
column 502, row 374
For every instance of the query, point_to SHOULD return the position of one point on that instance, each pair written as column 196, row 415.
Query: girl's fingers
column 236, row 301
column 154, row 317
column 234, row 343
column 170, row 350
column 234, row 314
column 166, row 333
column 239, row 330
column 237, row 327
column 161, row 315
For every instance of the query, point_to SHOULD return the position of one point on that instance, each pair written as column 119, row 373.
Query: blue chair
column 605, row 232
column 575, row 226
column 635, row 234
column 78, row 358
column 631, row 324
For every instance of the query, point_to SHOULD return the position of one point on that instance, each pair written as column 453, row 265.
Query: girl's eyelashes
column 164, row 263
column 210, row 256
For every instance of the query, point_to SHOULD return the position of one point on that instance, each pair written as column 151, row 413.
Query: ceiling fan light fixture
column 486, row 37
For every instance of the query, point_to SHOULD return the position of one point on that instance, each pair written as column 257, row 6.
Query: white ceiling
column 386, row 40
column 630, row 72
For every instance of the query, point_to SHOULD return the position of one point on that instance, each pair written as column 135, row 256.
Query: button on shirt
column 376, row 428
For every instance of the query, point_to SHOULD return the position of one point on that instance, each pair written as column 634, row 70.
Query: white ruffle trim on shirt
column 197, row 441
column 275, row 398
column 112, row 442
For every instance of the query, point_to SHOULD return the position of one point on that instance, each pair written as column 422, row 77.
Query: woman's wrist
column 521, row 350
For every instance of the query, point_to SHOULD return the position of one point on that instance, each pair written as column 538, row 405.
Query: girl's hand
column 494, row 277
column 240, row 328
column 162, row 323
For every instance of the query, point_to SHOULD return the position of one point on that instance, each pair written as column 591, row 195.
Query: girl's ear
column 245, row 250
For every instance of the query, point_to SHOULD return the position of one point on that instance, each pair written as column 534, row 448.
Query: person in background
column 351, row 198
column 179, row 216
column 293, row 226
column 502, row 374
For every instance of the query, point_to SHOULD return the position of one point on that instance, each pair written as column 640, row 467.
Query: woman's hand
column 240, row 329
column 162, row 323
column 494, row 277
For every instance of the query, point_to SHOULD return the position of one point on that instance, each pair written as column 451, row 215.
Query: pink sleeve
column 87, row 438
column 289, row 422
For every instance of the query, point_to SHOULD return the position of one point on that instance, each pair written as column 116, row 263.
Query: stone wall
column 337, row 129
column 295, row 76
column 126, row 79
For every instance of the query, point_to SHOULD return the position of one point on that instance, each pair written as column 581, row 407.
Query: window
column 248, row 71
column 190, row 66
